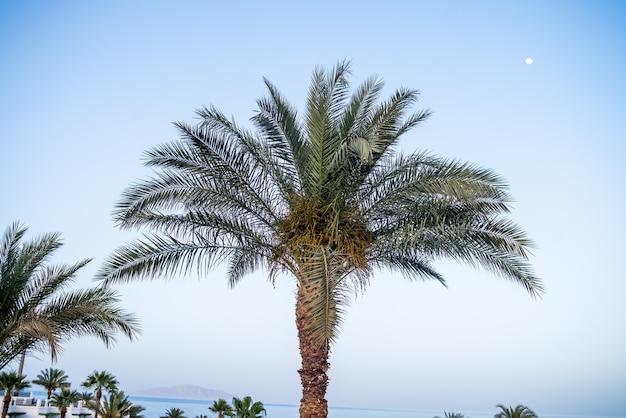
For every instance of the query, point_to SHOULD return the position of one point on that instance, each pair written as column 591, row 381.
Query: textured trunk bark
column 98, row 397
column 6, row 401
column 20, row 368
column 314, row 366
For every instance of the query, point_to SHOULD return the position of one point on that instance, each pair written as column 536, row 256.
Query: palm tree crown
column 222, row 408
column 11, row 382
column 64, row 399
column 36, row 309
column 323, row 197
column 520, row 411
column 116, row 405
column 174, row 413
column 245, row 408
column 52, row 379
column 99, row 381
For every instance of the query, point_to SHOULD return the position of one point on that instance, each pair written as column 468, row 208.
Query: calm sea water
column 156, row 407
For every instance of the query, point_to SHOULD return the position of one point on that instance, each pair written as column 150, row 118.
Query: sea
column 156, row 408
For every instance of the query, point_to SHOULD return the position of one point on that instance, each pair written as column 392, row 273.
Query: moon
column 528, row 60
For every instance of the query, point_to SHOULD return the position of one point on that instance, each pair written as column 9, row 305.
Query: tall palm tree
column 174, row 413
column 222, row 408
column 245, row 408
column 37, row 311
column 520, row 411
column 64, row 399
column 323, row 197
column 52, row 379
column 99, row 381
column 11, row 382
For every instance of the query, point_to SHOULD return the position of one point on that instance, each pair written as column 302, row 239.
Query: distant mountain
column 184, row 392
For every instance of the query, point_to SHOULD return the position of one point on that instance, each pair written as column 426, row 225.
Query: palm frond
column 279, row 124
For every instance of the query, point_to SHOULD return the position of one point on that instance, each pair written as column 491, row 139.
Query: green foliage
column 302, row 196
column 87, row 396
column 52, row 379
column 222, row 408
column 135, row 411
column 37, row 311
column 100, row 381
column 64, row 399
column 245, row 408
column 174, row 413
column 11, row 382
column 322, row 196
column 520, row 411
column 116, row 405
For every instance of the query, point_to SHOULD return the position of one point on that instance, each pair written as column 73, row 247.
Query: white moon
column 528, row 60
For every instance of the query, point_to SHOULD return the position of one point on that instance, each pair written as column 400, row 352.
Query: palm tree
column 245, row 408
column 174, row 413
column 520, row 411
column 38, row 312
column 222, row 408
column 87, row 396
column 11, row 382
column 324, row 198
column 135, row 411
column 99, row 381
column 52, row 379
column 117, row 405
column 64, row 399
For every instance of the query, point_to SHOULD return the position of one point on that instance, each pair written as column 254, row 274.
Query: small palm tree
column 135, row 411
column 64, row 399
column 52, row 379
column 520, row 411
column 245, row 408
column 222, row 408
column 87, row 397
column 117, row 405
column 99, row 381
column 174, row 413
column 11, row 382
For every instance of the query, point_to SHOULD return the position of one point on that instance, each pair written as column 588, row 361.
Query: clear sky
column 87, row 86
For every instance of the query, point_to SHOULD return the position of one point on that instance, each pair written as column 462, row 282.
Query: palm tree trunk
column 314, row 366
column 6, row 402
column 20, row 367
column 98, row 396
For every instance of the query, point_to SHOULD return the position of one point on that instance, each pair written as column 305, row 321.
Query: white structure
column 25, row 405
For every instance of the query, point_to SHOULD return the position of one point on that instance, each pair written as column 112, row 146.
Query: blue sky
column 86, row 87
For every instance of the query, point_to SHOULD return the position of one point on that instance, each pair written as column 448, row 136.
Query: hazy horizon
column 87, row 87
